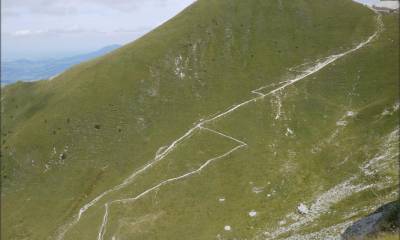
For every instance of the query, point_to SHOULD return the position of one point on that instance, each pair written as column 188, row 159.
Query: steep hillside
column 217, row 125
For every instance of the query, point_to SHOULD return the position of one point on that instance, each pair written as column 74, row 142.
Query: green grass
column 387, row 236
column 109, row 117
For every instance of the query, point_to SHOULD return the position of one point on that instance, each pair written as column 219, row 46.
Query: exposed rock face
column 384, row 219
column 302, row 209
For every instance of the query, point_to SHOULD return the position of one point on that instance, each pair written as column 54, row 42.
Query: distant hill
column 28, row 70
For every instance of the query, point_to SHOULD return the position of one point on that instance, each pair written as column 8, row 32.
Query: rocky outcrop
column 384, row 219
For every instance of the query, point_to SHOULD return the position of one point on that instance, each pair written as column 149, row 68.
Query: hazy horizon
column 42, row 29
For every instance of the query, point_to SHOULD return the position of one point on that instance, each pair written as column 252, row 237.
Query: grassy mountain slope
column 68, row 140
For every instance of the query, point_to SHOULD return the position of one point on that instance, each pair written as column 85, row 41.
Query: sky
column 381, row 3
column 41, row 29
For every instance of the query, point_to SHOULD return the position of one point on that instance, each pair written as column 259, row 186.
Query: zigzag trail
column 317, row 66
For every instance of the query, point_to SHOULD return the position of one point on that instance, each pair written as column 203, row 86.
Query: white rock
column 257, row 190
column 302, row 208
column 252, row 213
column 289, row 132
column 227, row 228
column 385, row 112
column 396, row 107
column 350, row 113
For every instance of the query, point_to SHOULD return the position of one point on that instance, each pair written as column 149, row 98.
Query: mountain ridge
column 31, row 70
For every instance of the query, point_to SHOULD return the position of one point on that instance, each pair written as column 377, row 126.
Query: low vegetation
column 328, row 143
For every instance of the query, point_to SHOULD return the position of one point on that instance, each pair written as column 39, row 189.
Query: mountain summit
column 233, row 120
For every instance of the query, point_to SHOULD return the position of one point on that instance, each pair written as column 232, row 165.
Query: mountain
column 233, row 120
column 27, row 70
